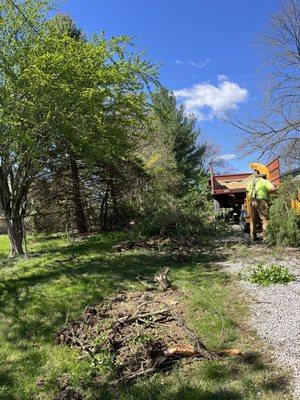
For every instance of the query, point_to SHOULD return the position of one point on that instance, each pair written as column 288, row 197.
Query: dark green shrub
column 284, row 225
column 168, row 214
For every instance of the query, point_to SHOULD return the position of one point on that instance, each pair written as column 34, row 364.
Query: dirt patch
column 66, row 391
column 155, row 243
column 137, row 333
column 179, row 249
column 69, row 393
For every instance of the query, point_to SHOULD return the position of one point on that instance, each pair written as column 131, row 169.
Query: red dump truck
column 229, row 191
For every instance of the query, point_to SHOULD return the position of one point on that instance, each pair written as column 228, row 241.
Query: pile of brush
column 140, row 333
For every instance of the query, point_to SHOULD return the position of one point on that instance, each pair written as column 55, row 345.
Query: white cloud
column 227, row 157
column 206, row 101
column 222, row 78
column 202, row 64
column 194, row 64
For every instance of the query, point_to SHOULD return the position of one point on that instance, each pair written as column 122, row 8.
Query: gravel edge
column 275, row 315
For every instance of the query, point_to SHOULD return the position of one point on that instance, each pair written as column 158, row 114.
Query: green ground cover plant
column 269, row 275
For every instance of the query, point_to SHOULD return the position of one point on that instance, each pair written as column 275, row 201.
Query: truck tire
column 245, row 227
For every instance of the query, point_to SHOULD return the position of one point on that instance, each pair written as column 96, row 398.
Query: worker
column 259, row 193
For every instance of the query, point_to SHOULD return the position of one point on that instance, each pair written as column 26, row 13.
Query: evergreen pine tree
column 181, row 129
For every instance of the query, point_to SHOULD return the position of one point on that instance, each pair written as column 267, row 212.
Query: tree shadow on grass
column 185, row 392
column 83, row 275
column 189, row 393
column 253, row 359
column 101, row 242
column 28, row 362
column 215, row 385
column 36, row 301
column 278, row 383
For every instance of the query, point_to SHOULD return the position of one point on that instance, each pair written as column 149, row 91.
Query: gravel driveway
column 275, row 310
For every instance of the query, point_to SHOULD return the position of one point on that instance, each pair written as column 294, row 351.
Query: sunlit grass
column 60, row 279
column 4, row 246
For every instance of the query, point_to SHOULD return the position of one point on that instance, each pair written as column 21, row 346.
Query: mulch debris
column 66, row 391
column 156, row 243
column 139, row 332
column 179, row 248
column 69, row 393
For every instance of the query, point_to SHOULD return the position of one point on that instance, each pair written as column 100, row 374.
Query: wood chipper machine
column 230, row 197
column 272, row 172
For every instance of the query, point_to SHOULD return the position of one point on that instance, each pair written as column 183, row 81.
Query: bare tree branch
column 275, row 130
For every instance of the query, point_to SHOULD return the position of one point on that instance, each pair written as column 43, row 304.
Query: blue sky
column 206, row 49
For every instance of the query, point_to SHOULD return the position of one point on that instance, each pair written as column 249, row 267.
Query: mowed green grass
column 4, row 246
column 60, row 279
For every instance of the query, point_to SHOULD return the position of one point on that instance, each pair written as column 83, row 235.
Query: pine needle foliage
column 284, row 226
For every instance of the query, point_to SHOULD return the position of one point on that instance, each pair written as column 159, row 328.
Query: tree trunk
column 16, row 235
column 13, row 200
column 103, row 211
column 81, row 221
column 115, row 204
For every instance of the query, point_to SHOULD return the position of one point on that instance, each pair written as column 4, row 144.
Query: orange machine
column 295, row 203
column 230, row 196
column 229, row 191
column 272, row 172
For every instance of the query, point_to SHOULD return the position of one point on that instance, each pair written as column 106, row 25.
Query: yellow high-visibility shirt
column 260, row 188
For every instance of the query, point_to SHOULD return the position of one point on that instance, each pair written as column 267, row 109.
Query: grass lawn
column 60, row 279
column 4, row 246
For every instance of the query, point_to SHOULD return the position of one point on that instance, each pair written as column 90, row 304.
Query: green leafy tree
column 63, row 25
column 176, row 200
column 23, row 131
column 121, row 99
column 59, row 93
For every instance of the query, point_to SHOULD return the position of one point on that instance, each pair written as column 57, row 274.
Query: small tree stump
column 162, row 280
